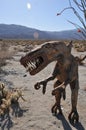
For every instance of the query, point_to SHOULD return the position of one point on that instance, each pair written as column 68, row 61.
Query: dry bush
column 80, row 46
column 5, row 53
column 8, row 97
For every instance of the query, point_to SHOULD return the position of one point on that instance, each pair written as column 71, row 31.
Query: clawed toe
column 37, row 86
column 54, row 110
column 73, row 117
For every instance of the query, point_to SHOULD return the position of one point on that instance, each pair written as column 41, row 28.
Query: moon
column 29, row 6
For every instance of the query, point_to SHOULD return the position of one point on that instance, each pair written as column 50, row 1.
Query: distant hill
column 13, row 31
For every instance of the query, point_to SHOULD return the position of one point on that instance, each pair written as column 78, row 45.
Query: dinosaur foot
column 54, row 111
column 73, row 117
column 57, row 113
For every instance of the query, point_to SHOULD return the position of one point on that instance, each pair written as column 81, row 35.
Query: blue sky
column 39, row 14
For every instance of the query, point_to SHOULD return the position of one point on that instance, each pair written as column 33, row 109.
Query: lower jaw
column 40, row 68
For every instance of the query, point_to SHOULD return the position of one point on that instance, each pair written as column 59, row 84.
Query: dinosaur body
column 65, row 71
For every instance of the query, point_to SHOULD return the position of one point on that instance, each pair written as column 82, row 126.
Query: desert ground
column 35, row 112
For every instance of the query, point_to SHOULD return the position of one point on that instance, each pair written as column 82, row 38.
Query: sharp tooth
column 29, row 64
column 34, row 62
column 34, row 66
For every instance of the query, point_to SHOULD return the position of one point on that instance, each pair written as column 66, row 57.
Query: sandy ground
column 35, row 113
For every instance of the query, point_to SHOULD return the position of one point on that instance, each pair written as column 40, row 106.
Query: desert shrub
column 80, row 46
column 4, row 54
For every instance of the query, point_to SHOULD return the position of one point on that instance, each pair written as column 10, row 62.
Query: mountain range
column 13, row 31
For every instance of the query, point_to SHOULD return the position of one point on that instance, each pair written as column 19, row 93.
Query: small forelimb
column 43, row 84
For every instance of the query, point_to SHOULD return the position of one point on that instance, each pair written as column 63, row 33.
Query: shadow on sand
column 67, row 125
column 6, row 121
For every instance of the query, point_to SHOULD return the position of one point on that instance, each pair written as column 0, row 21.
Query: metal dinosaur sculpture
column 65, row 71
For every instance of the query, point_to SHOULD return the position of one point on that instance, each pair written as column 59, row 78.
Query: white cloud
column 29, row 6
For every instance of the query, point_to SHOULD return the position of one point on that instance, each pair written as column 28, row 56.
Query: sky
column 39, row 14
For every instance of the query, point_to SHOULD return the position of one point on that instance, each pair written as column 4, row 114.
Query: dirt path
column 35, row 113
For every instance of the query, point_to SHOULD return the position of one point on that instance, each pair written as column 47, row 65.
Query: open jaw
column 34, row 62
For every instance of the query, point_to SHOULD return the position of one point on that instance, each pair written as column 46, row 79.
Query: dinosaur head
column 38, row 59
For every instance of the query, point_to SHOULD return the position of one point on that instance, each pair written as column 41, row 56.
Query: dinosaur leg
column 60, row 88
column 53, row 109
column 58, row 99
column 73, row 116
column 57, row 105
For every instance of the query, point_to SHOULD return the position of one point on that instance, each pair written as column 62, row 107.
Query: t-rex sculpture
column 66, row 72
